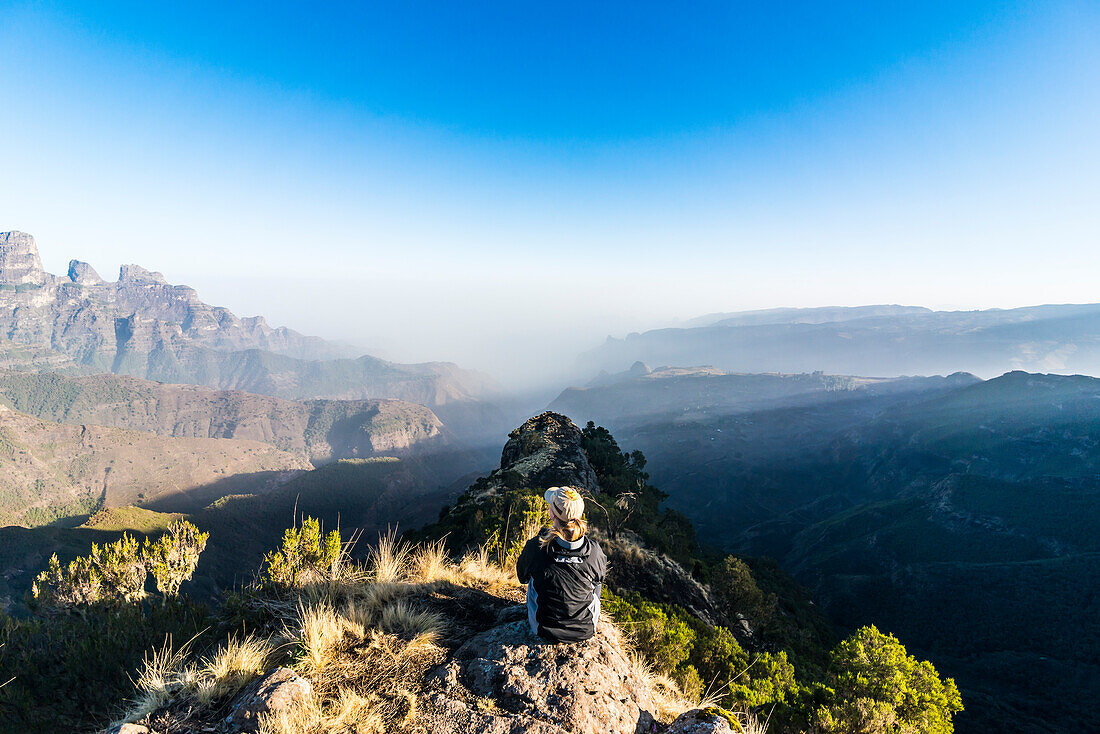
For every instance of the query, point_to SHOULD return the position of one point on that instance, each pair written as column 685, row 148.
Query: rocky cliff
column 545, row 451
column 144, row 326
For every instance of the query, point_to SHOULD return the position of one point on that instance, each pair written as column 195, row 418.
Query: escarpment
column 143, row 325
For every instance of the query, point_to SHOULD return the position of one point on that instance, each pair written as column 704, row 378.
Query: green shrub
column 78, row 583
column 172, row 557
column 303, row 555
column 875, row 686
column 123, row 567
column 664, row 638
column 736, row 587
column 526, row 515
column 116, row 572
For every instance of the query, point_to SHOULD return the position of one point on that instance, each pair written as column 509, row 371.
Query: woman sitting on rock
column 564, row 570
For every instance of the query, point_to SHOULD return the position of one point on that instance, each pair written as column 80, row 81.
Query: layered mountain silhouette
column 871, row 340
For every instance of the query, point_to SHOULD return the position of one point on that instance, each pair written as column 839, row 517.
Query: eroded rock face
column 276, row 690
column 19, row 261
column 634, row 567
column 144, row 326
column 506, row 680
column 83, row 273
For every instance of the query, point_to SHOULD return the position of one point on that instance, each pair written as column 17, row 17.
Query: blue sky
column 503, row 184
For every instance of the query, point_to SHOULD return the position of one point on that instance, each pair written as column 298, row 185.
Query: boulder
column 703, row 721
column 276, row 690
column 128, row 729
column 506, row 681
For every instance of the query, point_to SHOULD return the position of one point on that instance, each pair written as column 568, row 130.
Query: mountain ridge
column 321, row 430
column 914, row 341
column 144, row 326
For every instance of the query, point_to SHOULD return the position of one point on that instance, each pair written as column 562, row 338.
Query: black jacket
column 563, row 588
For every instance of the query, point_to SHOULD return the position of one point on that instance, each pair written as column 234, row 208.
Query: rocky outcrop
column 631, row 566
column 703, row 721
column 128, row 728
column 83, row 274
column 536, row 686
column 144, row 326
column 277, row 690
column 546, row 451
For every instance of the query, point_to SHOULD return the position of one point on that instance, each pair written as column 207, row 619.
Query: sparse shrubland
column 116, row 572
column 365, row 632
column 764, row 649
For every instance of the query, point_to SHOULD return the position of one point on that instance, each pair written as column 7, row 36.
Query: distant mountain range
column 318, row 430
column 688, row 393
column 960, row 514
column 143, row 326
column 886, row 341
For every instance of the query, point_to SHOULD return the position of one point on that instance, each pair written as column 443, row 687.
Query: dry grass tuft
column 322, row 635
column 363, row 680
column 298, row 719
column 404, row 621
column 231, row 668
column 166, row 676
column 158, row 682
column 430, row 563
column 479, row 570
column 751, row 724
column 389, row 562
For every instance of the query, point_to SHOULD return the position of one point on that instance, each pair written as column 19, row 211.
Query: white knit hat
column 565, row 503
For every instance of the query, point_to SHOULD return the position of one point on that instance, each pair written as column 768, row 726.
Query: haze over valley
column 837, row 441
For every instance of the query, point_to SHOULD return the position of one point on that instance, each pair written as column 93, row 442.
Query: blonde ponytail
column 570, row 531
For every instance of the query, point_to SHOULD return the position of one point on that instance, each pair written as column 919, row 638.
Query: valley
column 959, row 514
column 951, row 510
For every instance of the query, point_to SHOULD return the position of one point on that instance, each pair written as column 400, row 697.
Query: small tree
column 172, row 557
column 875, row 686
column 739, row 593
column 527, row 515
column 303, row 553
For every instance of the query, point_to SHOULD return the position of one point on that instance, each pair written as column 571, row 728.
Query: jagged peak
column 547, row 451
column 83, row 273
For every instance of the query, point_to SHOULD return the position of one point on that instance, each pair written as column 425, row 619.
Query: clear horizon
column 505, row 188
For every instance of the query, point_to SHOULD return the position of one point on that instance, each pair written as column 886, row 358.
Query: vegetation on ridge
column 365, row 634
